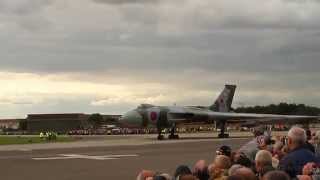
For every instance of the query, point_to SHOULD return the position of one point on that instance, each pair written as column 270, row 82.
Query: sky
column 108, row 56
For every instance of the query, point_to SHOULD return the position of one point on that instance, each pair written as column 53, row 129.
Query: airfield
column 109, row 157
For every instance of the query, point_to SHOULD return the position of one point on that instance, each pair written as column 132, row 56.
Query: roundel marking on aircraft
column 153, row 116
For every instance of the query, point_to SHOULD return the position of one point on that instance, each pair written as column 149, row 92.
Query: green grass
column 12, row 139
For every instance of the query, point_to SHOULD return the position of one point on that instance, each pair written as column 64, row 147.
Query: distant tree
column 95, row 120
column 23, row 124
column 281, row 108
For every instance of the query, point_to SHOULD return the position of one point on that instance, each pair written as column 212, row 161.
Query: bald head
column 297, row 137
column 246, row 173
column 276, row 175
column 264, row 158
column 222, row 162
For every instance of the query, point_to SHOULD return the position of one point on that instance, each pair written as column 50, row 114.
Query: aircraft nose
column 131, row 119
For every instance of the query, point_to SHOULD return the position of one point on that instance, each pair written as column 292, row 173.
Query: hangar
column 56, row 122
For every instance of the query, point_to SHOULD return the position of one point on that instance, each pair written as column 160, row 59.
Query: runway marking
column 79, row 156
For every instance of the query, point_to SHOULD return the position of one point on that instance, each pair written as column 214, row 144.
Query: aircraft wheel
column 173, row 136
column 160, row 137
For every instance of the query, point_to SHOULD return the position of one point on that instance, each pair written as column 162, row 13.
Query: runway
column 113, row 161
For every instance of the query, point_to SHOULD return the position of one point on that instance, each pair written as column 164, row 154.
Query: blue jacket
column 293, row 162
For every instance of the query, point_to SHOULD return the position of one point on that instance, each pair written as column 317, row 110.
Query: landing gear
column 172, row 131
column 160, row 136
column 223, row 129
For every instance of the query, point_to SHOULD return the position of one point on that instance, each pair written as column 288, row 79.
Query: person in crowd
column 259, row 142
column 276, row 175
column 219, row 168
column 298, row 156
column 277, row 150
column 162, row 176
column 242, row 159
column 200, row 170
column 245, row 173
column 187, row 177
column 235, row 177
column 181, row 171
column 316, row 143
column 224, row 150
column 312, row 170
column 145, row 174
column 263, row 163
column 308, row 145
column 233, row 169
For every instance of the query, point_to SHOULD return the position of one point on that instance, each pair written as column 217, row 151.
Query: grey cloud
column 211, row 52
column 121, row 2
column 186, row 46
column 23, row 7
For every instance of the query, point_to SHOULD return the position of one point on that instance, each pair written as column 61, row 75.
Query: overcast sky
column 108, row 56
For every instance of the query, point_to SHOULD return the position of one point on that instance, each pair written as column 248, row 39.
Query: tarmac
column 109, row 157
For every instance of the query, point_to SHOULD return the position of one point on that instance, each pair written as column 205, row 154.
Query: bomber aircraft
column 162, row 117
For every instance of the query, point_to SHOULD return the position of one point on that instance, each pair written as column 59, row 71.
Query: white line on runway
column 79, row 156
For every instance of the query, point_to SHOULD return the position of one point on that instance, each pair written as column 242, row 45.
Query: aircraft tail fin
column 224, row 100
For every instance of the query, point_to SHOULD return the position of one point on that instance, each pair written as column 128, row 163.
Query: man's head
column 182, row 170
column 162, row 176
column 246, row 173
column 222, row 162
column 296, row 137
column 276, row 175
column 200, row 170
column 144, row 174
column 219, row 166
column 233, row 169
column 224, row 150
column 187, row 177
column 258, row 131
column 263, row 159
column 242, row 159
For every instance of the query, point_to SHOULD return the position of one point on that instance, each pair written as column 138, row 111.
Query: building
column 12, row 124
column 61, row 123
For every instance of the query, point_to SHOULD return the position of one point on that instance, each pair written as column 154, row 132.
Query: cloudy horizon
column 108, row 56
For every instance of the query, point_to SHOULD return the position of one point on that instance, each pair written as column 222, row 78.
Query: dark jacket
column 293, row 162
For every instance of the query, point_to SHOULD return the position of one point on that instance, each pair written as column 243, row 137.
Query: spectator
column 298, row 156
column 245, row 173
column 316, row 143
column 304, row 177
column 187, row 177
column 276, row 175
column 308, row 145
column 277, row 150
column 263, row 162
column 144, row 174
column 162, row 176
column 235, row 177
column 182, row 170
column 224, row 150
column 233, row 168
column 241, row 158
column 200, row 170
column 219, row 169
column 259, row 142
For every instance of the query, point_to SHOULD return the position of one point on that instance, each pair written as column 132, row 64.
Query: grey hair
column 264, row 157
column 298, row 135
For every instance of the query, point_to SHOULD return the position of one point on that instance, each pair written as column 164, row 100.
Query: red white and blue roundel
column 153, row 116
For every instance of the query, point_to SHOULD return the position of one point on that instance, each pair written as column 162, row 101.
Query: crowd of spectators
column 295, row 156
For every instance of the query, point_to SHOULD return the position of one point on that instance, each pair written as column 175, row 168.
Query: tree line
column 281, row 108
